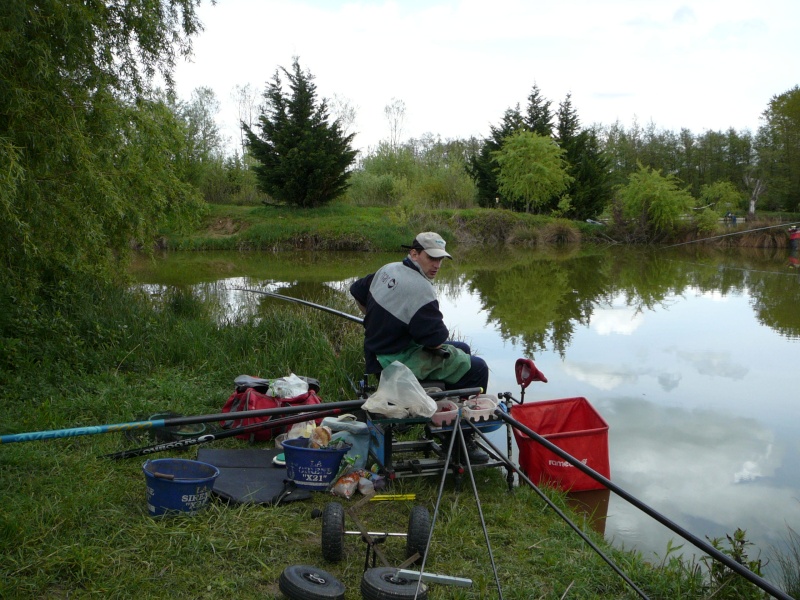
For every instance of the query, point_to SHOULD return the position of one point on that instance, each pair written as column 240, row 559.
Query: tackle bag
column 354, row 432
column 249, row 398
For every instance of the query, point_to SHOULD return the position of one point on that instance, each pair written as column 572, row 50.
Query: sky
column 458, row 65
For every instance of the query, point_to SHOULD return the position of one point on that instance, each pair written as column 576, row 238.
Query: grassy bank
column 75, row 525
column 344, row 227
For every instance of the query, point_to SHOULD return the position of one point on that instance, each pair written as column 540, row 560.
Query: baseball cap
column 432, row 243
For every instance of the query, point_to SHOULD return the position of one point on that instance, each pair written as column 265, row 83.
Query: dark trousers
column 478, row 374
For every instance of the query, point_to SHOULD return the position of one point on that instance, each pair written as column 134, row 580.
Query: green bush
column 371, row 189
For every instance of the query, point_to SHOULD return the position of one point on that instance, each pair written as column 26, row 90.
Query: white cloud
column 616, row 317
column 620, row 320
column 457, row 65
column 601, row 376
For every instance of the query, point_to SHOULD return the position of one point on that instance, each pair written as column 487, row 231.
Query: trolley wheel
column 383, row 583
column 419, row 530
column 304, row 582
column 333, row 532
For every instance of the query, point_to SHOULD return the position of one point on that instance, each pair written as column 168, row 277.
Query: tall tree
column 303, row 157
column 204, row 143
column 395, row 113
column 590, row 188
column 779, row 150
column 246, row 98
column 538, row 117
column 86, row 146
column 343, row 110
column 568, row 124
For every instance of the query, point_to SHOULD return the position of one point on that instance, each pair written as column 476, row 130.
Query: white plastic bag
column 399, row 395
column 288, row 387
column 301, row 430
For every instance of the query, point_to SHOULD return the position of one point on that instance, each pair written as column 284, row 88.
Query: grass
column 76, row 526
column 340, row 226
column 344, row 227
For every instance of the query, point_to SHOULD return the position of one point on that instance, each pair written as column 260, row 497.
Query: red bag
column 251, row 399
column 575, row 427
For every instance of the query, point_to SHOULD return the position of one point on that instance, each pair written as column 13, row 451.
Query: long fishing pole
column 177, row 421
column 346, row 405
column 210, row 437
column 439, row 351
column 327, row 309
column 687, row 535
column 716, row 237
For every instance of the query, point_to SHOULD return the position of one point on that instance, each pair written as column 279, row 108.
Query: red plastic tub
column 575, row 427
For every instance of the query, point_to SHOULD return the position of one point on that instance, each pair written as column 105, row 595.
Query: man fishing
column 402, row 322
column 794, row 237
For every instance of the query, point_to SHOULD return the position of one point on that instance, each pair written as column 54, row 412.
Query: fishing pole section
column 607, row 483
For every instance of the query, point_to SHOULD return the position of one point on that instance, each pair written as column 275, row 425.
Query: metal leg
column 478, row 504
column 510, row 450
column 439, row 497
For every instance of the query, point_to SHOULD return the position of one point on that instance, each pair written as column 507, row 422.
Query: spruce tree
column 590, row 189
column 303, row 158
column 538, row 118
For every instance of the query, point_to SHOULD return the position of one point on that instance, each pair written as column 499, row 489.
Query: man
column 402, row 322
column 794, row 237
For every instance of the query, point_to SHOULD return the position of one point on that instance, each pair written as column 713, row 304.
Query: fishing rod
column 327, row 309
column 716, row 237
column 687, row 535
column 177, row 421
column 345, row 406
column 210, row 437
column 438, row 351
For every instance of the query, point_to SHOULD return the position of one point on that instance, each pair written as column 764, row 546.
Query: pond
column 689, row 354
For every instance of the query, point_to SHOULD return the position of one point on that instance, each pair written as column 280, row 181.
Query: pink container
column 479, row 408
column 446, row 411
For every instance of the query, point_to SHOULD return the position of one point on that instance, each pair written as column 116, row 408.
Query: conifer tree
column 779, row 150
column 538, row 118
column 303, row 158
column 590, row 188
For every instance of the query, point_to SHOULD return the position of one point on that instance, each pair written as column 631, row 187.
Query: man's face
column 428, row 264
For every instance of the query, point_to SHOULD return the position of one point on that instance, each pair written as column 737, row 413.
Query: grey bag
column 346, row 427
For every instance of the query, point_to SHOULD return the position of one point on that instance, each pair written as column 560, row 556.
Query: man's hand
column 439, row 350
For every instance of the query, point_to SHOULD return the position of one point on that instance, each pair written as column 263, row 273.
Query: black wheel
column 419, row 529
column 333, row 532
column 304, row 582
column 383, row 583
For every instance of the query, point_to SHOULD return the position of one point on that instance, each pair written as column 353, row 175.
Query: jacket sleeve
column 427, row 326
column 360, row 289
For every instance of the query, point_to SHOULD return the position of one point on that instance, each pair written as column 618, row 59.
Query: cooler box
column 575, row 427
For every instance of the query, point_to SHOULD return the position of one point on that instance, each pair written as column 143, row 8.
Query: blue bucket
column 312, row 468
column 176, row 485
